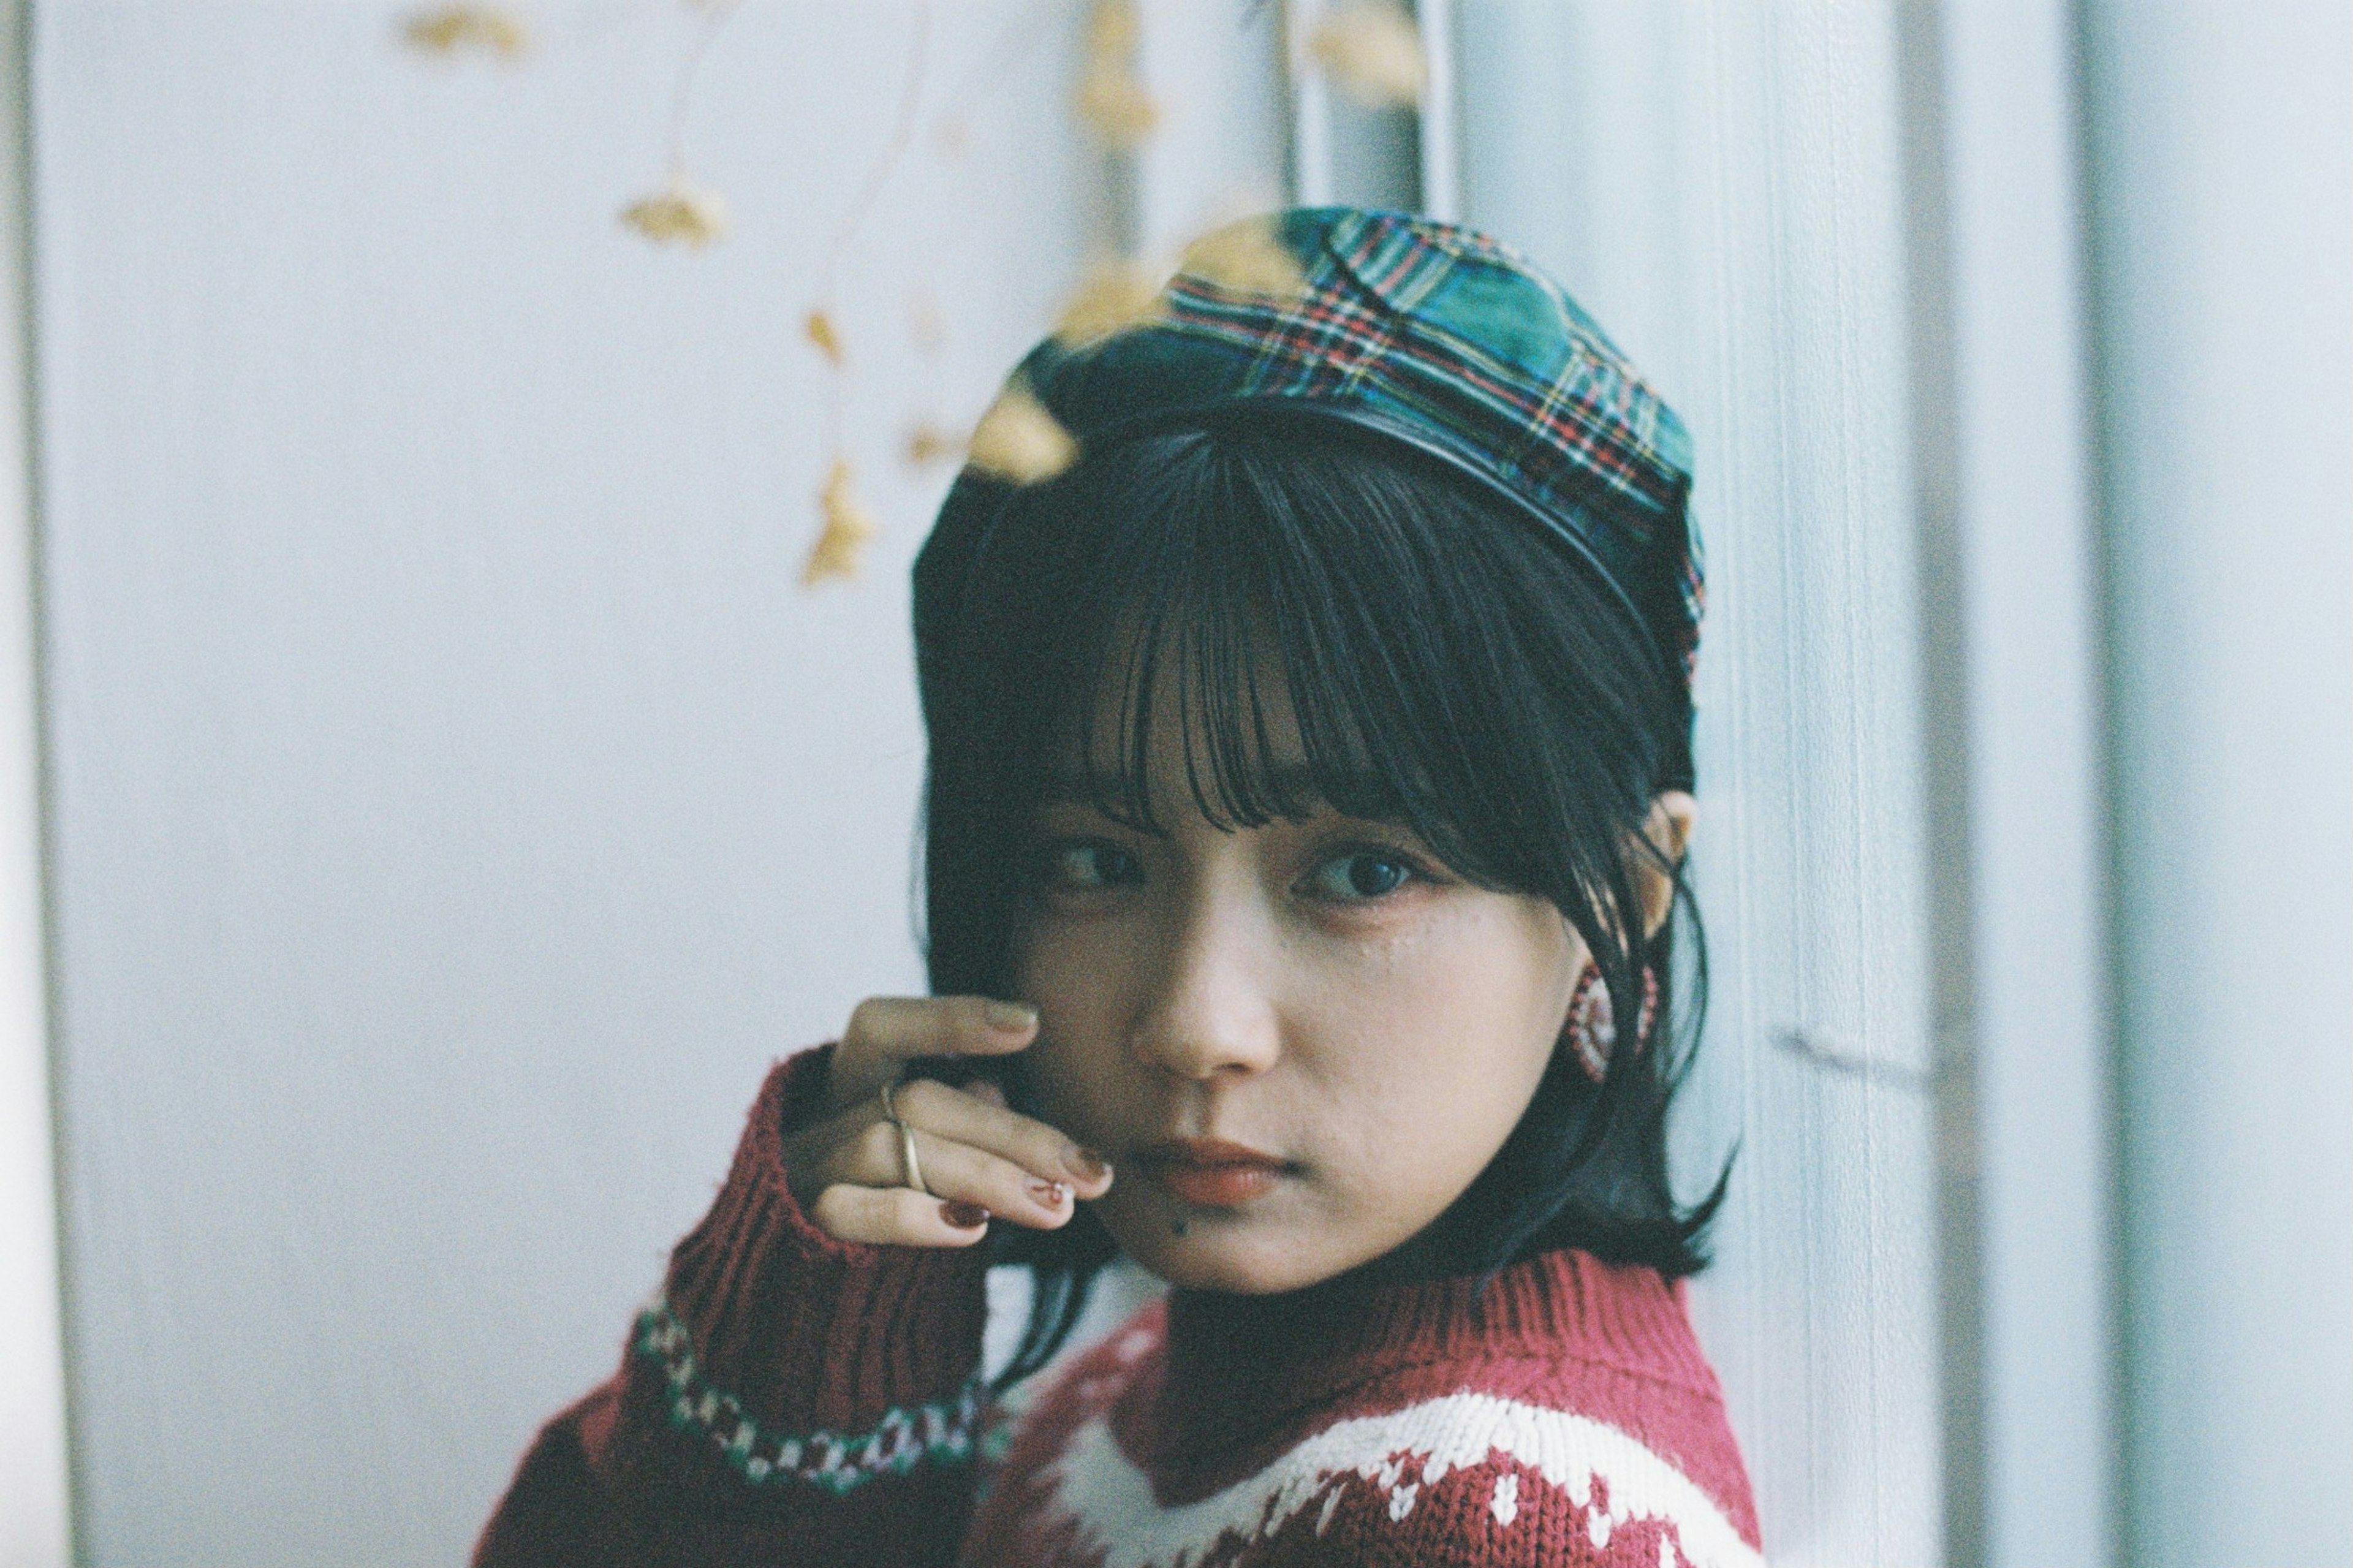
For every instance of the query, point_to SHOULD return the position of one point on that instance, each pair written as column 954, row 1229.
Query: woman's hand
column 849, row 1172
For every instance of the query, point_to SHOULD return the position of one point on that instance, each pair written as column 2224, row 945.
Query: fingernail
column 962, row 1215
column 1087, row 1165
column 1012, row 1016
column 1053, row 1194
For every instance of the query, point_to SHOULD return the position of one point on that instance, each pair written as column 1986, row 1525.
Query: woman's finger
column 963, row 1116
column 895, row 1216
column 877, row 1158
column 885, row 1033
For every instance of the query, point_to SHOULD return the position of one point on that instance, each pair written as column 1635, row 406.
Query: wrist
column 805, row 1332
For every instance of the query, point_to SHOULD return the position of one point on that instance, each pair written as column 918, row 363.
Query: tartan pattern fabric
column 1437, row 335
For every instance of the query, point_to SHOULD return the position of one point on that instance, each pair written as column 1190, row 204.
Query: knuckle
column 835, row 1209
column 878, row 1143
column 1008, row 1182
column 922, row 1097
column 1040, row 1146
column 865, row 1016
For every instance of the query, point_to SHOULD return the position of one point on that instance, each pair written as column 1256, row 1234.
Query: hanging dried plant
column 927, row 329
column 456, row 29
column 1112, row 100
column 679, row 214
column 930, row 444
column 1020, row 442
column 1114, row 30
column 1246, row 258
column 1115, row 107
column 1109, row 299
column 1372, row 52
column 849, row 526
column 819, row 329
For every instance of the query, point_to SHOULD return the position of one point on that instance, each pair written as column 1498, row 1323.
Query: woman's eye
column 1089, row 866
column 1360, row 875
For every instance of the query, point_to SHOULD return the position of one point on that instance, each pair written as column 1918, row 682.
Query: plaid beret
column 1426, row 332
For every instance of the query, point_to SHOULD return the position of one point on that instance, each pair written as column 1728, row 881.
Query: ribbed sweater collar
column 1238, row 1366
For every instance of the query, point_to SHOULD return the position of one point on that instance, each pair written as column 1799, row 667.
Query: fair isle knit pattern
column 793, row 1398
column 1485, row 1475
column 941, row 1432
column 1497, row 1452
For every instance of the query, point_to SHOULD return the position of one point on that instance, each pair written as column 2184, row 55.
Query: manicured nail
column 1012, row 1016
column 1086, row 1164
column 962, row 1215
column 1052, row 1194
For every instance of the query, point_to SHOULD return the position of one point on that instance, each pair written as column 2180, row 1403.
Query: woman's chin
column 1244, row 1251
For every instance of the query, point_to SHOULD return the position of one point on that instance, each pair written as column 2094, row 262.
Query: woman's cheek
column 1075, row 985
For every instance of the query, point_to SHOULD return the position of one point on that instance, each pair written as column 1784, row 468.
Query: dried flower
column 1115, row 28
column 1372, row 52
column 1112, row 100
column 850, row 525
column 1246, row 258
column 820, row 330
column 929, row 443
column 679, row 214
column 1019, row 442
column 927, row 329
column 1115, row 107
column 1112, row 297
column 450, row 29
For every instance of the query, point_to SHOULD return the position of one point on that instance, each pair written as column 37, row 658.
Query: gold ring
column 906, row 1143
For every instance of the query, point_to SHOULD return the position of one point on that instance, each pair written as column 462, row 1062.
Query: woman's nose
column 1213, row 1015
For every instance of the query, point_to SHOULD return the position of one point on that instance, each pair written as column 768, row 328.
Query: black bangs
column 1182, row 579
column 1325, row 616
column 1231, row 576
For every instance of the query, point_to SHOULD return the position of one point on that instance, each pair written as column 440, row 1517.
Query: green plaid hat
column 1429, row 334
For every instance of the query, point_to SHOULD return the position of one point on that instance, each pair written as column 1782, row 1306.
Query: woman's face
column 1296, row 1044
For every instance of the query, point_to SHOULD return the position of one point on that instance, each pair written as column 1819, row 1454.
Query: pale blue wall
column 459, row 802
column 1719, row 185
column 2220, row 174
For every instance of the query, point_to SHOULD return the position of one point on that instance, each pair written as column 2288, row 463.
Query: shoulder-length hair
column 1452, row 666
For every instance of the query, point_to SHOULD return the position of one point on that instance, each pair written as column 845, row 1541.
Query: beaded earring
column 1592, row 1027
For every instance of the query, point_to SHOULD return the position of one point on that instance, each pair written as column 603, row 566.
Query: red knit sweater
column 796, row 1400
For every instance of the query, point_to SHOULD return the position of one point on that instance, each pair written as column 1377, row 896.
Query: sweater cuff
column 806, row 1337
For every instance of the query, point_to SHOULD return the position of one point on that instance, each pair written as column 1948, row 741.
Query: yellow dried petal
column 929, row 443
column 679, row 214
column 1115, row 28
column 1246, row 258
column 849, row 526
column 926, row 328
column 1114, row 106
column 822, row 332
column 450, row 29
column 1112, row 297
column 1019, row 442
column 1372, row 53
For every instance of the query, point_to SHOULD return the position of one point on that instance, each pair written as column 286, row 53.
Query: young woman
column 1309, row 778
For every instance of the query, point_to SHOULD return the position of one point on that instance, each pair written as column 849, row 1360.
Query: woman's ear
column 1668, row 828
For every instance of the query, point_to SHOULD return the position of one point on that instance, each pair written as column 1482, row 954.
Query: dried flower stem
column 886, row 162
column 717, row 13
column 870, row 191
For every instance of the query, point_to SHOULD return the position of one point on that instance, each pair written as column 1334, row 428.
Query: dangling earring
column 1592, row 1027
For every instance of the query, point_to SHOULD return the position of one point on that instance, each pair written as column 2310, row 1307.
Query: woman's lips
column 1211, row 1172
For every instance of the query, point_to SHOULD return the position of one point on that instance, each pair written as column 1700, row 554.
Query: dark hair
column 1452, row 665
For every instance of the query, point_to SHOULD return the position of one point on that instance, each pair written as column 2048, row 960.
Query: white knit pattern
column 1109, row 1499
